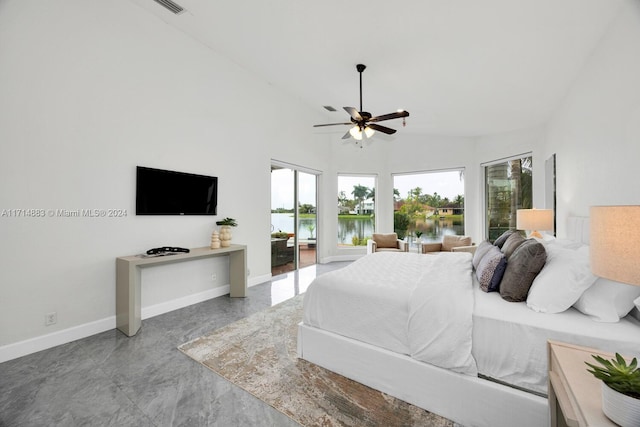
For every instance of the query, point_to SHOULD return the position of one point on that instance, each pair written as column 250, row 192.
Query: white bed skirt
column 465, row 399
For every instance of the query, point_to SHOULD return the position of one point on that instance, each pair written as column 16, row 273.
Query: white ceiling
column 460, row 67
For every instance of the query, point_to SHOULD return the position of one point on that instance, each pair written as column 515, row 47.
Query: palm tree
column 360, row 193
column 415, row 193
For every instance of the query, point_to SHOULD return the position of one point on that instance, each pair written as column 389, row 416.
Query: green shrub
column 401, row 223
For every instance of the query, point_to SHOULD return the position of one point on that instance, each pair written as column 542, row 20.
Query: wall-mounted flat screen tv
column 164, row 192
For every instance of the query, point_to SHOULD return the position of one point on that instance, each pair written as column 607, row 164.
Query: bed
column 419, row 327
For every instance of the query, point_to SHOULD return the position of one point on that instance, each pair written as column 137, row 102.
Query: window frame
column 483, row 167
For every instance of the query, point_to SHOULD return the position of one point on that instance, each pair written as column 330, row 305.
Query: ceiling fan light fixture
column 369, row 132
column 356, row 133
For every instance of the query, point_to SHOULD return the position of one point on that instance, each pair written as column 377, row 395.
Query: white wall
column 88, row 90
column 431, row 153
column 596, row 132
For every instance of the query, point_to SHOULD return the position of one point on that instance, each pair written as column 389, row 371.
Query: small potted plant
column 418, row 236
column 620, row 389
column 227, row 221
column 225, row 231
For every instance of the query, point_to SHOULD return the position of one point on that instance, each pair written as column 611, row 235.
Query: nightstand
column 574, row 394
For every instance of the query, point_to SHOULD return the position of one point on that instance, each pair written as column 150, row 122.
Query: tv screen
column 163, row 192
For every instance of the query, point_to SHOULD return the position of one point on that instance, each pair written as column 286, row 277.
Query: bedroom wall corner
column 595, row 131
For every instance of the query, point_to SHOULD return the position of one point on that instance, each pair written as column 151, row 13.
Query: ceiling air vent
column 172, row 6
column 329, row 108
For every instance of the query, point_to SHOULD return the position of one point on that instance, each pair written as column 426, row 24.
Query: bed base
column 465, row 399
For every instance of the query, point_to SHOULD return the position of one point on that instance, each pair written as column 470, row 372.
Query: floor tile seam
column 133, row 402
column 112, row 380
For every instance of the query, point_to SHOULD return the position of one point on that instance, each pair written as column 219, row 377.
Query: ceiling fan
column 365, row 124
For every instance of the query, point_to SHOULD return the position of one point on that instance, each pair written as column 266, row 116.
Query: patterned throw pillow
column 489, row 263
column 480, row 252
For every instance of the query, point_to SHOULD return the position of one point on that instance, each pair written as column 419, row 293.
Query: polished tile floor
column 112, row 380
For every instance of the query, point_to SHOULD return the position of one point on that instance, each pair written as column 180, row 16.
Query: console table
column 128, row 286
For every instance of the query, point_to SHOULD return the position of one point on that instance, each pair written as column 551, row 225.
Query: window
column 428, row 205
column 508, row 187
column 356, row 209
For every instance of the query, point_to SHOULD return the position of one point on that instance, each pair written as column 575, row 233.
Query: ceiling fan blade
column 382, row 129
column 332, row 124
column 355, row 114
column 389, row 116
column 346, row 135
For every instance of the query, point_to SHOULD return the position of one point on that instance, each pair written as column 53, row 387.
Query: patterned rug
column 258, row 354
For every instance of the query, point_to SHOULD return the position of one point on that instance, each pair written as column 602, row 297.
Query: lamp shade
column 534, row 220
column 615, row 243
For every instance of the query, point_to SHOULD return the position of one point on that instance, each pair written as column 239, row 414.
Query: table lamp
column 534, row 220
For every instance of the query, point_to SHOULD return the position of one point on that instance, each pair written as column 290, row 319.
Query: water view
column 348, row 228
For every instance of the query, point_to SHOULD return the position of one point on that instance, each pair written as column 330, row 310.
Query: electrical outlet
column 50, row 318
column 214, row 277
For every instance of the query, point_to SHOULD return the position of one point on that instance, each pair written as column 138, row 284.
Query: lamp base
column 535, row 234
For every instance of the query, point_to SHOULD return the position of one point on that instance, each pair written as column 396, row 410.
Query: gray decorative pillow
column 523, row 266
column 487, row 267
column 481, row 250
column 503, row 238
column 511, row 244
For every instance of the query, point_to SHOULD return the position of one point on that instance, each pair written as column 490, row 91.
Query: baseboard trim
column 44, row 342
column 175, row 304
column 336, row 258
column 258, row 280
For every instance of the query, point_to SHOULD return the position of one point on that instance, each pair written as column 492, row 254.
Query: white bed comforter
column 408, row 303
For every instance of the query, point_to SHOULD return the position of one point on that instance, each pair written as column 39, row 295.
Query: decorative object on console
column 167, row 250
column 620, row 389
column 215, row 240
column 225, row 231
column 534, row 220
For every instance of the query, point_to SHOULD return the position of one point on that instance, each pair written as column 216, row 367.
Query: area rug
column 258, row 354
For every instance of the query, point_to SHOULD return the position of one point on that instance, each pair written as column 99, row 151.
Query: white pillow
column 564, row 277
column 564, row 243
column 608, row 300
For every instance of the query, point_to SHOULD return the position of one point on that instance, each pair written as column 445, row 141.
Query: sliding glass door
column 294, row 226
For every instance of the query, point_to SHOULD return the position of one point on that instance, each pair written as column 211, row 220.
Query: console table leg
column 128, row 298
column 238, row 274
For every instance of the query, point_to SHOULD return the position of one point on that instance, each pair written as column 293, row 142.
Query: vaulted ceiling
column 460, row 67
